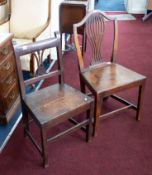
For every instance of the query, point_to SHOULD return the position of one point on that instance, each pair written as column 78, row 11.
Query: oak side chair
column 102, row 78
column 54, row 104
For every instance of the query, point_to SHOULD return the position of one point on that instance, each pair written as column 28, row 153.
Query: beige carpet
column 123, row 16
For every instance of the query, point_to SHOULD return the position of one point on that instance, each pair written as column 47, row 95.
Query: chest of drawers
column 9, row 92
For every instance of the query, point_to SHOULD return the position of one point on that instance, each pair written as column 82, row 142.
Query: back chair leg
column 44, row 147
column 82, row 85
column 140, row 100
column 49, row 59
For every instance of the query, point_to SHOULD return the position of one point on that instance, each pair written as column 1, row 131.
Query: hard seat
column 103, row 76
column 53, row 104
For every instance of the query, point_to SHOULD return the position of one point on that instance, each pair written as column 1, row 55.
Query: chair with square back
column 104, row 79
column 54, row 104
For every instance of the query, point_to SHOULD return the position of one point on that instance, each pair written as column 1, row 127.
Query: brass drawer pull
column 12, row 96
column 10, row 81
column 7, row 66
column 5, row 51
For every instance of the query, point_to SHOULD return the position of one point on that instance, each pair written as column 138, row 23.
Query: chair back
column 37, row 49
column 95, row 25
column 28, row 17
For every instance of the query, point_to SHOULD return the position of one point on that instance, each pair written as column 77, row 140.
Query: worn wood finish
column 105, row 78
column 54, row 104
column 9, row 91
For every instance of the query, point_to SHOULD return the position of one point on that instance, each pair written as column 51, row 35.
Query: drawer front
column 8, row 82
column 5, row 50
column 10, row 98
column 7, row 67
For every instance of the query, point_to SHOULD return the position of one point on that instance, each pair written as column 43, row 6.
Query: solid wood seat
column 50, row 103
column 54, row 104
column 102, row 78
column 111, row 77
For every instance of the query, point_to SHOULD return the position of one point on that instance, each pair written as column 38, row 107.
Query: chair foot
column 94, row 133
column 24, row 132
column 105, row 98
column 140, row 101
column 45, row 165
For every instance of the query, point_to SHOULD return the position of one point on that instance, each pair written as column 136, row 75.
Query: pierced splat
column 94, row 30
column 95, row 24
column 38, row 56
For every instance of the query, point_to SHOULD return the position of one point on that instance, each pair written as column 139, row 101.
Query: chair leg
column 82, row 85
column 84, row 43
column 90, row 113
column 25, row 121
column 97, row 113
column 44, row 147
column 49, row 59
column 32, row 65
column 140, row 100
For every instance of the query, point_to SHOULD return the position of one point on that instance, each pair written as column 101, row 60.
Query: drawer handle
column 7, row 66
column 12, row 96
column 10, row 81
column 5, row 50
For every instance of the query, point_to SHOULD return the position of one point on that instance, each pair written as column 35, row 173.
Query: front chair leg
column 97, row 113
column 90, row 113
column 140, row 100
column 44, row 147
column 25, row 121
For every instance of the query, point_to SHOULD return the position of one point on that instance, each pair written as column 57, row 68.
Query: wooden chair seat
column 110, row 78
column 56, row 101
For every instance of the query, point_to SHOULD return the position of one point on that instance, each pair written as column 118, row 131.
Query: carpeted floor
column 122, row 146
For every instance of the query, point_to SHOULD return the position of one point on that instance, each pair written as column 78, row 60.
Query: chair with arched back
column 103, row 77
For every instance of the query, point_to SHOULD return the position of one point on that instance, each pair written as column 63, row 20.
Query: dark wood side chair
column 54, row 104
column 104, row 79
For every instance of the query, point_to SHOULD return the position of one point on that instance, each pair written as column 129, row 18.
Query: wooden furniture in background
column 9, row 93
column 104, row 79
column 71, row 12
column 52, row 105
column 3, row 2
